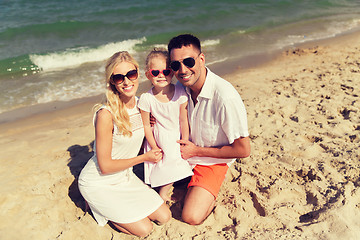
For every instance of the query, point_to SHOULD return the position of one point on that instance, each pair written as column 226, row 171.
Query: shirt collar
column 207, row 91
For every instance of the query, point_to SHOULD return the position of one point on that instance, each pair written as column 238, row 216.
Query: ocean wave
column 336, row 27
column 205, row 43
column 74, row 57
column 343, row 26
column 217, row 61
column 208, row 43
column 66, row 92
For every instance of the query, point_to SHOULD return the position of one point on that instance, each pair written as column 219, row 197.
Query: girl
column 107, row 182
column 168, row 104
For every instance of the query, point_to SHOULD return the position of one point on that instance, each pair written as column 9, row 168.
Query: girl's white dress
column 166, row 131
column 119, row 197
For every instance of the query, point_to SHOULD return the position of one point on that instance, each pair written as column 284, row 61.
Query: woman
column 107, row 182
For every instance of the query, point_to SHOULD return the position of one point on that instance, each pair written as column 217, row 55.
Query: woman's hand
column 154, row 155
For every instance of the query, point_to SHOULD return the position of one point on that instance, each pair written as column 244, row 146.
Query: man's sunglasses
column 155, row 73
column 119, row 78
column 188, row 62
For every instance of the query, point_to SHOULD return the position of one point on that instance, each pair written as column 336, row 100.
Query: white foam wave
column 208, row 43
column 205, row 43
column 331, row 30
column 69, row 92
column 217, row 61
column 75, row 57
column 160, row 46
column 343, row 26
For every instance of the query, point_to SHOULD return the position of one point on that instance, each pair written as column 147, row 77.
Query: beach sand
column 300, row 182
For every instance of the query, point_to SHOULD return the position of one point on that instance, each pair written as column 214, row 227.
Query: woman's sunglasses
column 188, row 62
column 155, row 73
column 119, row 78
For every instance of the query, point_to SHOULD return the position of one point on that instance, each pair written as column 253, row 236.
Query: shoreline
column 222, row 69
column 45, row 108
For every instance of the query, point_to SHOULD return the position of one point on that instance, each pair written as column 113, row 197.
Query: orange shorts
column 209, row 177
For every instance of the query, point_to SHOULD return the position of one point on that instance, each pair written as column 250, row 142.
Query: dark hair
column 184, row 40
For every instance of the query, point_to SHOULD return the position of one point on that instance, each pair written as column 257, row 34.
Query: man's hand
column 187, row 149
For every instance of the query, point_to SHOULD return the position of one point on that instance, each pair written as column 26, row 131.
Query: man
column 218, row 126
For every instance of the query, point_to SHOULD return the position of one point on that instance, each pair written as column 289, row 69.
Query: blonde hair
column 116, row 105
column 156, row 52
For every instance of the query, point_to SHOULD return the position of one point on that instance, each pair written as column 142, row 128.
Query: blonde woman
column 107, row 182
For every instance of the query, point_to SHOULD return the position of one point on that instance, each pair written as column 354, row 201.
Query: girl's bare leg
column 164, row 192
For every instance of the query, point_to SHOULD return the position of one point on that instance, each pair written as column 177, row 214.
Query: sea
column 54, row 51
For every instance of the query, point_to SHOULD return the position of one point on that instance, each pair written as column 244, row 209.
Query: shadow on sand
column 79, row 156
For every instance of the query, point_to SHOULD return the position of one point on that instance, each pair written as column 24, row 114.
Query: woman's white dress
column 166, row 132
column 119, row 197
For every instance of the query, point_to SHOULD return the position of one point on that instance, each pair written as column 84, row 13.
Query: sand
column 300, row 182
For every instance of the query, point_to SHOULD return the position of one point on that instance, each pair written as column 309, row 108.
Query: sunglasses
column 155, row 73
column 188, row 62
column 119, row 78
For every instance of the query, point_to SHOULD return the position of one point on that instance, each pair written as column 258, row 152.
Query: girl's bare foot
column 165, row 197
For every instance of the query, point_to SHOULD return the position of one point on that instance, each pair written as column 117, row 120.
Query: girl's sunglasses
column 119, row 78
column 155, row 73
column 188, row 62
